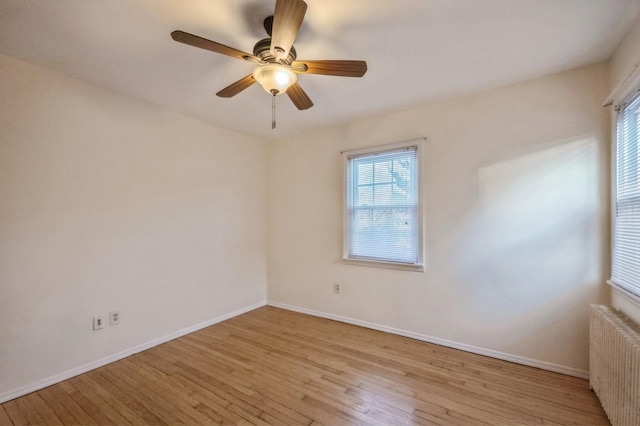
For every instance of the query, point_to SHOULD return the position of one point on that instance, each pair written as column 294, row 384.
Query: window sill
column 382, row 264
column 625, row 293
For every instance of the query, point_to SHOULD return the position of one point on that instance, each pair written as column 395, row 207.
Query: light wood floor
column 272, row 366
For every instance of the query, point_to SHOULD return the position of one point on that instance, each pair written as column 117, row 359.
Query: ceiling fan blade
column 338, row 68
column 299, row 97
column 287, row 19
column 237, row 87
column 203, row 43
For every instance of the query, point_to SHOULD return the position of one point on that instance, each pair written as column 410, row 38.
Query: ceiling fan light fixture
column 275, row 79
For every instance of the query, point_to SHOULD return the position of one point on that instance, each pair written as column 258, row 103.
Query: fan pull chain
column 273, row 111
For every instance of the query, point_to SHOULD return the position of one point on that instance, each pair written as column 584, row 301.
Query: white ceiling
column 417, row 50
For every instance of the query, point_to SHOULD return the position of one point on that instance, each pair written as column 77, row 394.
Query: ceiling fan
column 275, row 57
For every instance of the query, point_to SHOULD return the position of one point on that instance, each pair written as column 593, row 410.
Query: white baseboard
column 32, row 387
column 442, row 342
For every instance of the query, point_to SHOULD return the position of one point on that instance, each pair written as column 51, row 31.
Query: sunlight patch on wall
column 529, row 240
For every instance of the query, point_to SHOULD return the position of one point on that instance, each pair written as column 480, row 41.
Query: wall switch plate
column 98, row 322
column 336, row 288
column 114, row 317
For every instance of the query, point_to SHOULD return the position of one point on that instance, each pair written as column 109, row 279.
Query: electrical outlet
column 114, row 317
column 336, row 288
column 98, row 322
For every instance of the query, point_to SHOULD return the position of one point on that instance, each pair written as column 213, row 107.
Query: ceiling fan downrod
column 273, row 110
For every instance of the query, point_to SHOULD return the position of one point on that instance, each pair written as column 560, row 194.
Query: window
column 383, row 218
column 626, row 230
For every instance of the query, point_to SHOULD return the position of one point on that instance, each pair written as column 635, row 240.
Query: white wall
column 621, row 65
column 516, row 198
column 107, row 203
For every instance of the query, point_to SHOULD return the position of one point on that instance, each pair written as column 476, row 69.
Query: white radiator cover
column 614, row 364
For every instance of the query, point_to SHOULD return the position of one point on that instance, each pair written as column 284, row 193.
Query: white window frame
column 346, row 155
column 629, row 290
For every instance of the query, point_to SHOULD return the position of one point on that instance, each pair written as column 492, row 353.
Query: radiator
column 614, row 364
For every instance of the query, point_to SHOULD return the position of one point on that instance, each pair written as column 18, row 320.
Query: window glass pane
column 365, row 196
column 382, row 171
column 402, row 175
column 382, row 194
column 365, row 173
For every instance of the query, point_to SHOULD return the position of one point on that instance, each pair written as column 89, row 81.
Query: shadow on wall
column 532, row 244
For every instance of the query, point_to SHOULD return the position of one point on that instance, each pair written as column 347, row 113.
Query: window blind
column 626, row 233
column 382, row 206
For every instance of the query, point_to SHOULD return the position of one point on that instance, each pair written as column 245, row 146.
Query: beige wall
column 627, row 55
column 516, row 209
column 621, row 66
column 106, row 204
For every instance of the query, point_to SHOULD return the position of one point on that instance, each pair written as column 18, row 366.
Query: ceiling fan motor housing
column 262, row 50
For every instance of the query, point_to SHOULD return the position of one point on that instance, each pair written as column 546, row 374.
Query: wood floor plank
column 4, row 417
column 272, row 366
column 65, row 408
column 113, row 396
column 211, row 404
column 136, row 411
column 30, row 411
column 179, row 401
column 156, row 402
column 408, row 404
column 15, row 415
column 82, row 385
column 223, row 389
column 45, row 411
column 92, row 410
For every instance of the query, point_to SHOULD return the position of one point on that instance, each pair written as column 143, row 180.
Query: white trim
column 629, row 84
column 418, row 267
column 623, row 292
column 34, row 386
column 569, row 371
column 385, row 147
column 628, row 98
